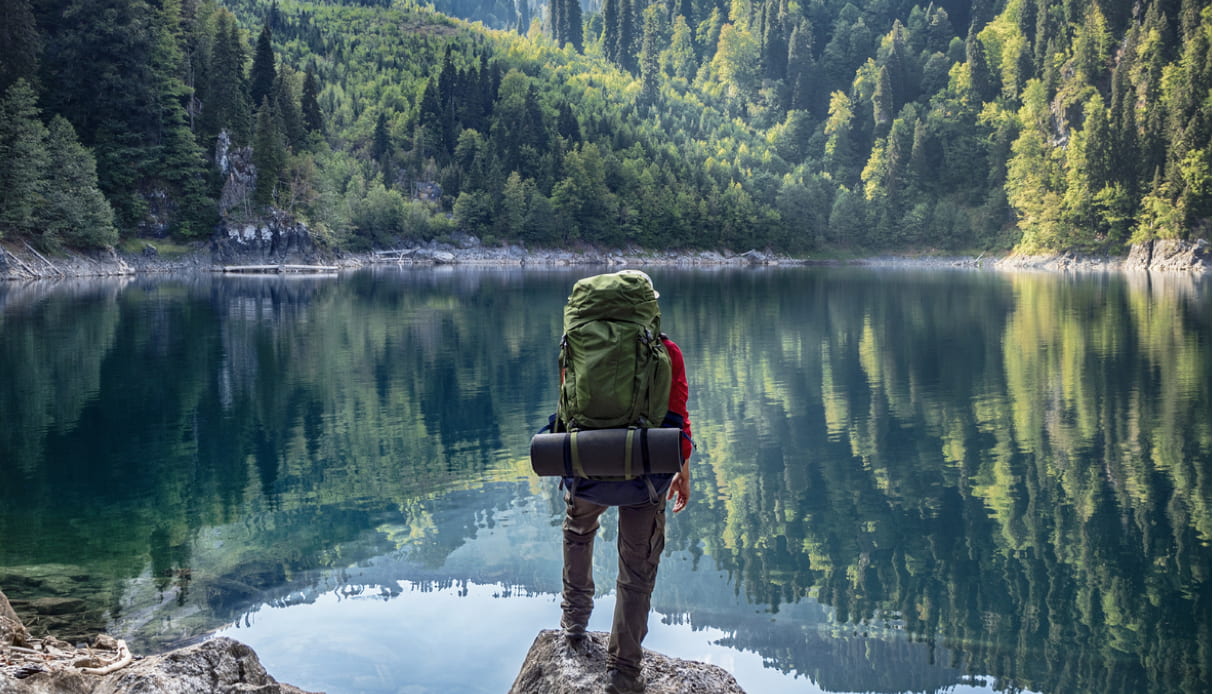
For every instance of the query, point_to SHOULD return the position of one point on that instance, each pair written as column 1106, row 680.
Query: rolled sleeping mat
column 598, row 453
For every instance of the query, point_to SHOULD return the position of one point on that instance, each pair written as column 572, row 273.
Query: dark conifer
column 310, row 108
column 800, row 67
column 226, row 105
column 624, row 51
column 573, row 20
column 648, row 57
column 20, row 43
column 555, row 21
column 23, row 160
column 287, row 107
column 75, row 211
column 984, row 86
column 262, row 74
column 380, row 137
column 608, row 38
column 269, row 154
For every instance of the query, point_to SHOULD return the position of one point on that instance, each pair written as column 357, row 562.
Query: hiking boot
column 621, row 683
column 576, row 642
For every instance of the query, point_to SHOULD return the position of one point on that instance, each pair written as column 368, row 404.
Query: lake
column 905, row 481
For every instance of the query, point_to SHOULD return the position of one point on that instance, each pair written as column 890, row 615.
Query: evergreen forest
column 803, row 126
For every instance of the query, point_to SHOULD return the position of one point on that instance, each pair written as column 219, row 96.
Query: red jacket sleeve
column 678, row 399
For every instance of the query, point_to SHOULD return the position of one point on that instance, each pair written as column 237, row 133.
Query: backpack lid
column 626, row 295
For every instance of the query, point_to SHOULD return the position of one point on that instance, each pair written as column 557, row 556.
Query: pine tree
column 882, row 103
column 775, row 41
column 514, row 207
column 573, row 23
column 920, row 172
column 838, row 151
column 608, row 37
column 680, row 59
column 649, row 56
column 800, row 67
column 523, row 17
column 624, row 50
column 555, row 21
column 381, row 147
column 269, row 155
column 179, row 163
column 226, row 104
column 984, row 84
column 23, row 160
column 895, row 59
column 310, row 107
column 287, row 107
column 75, row 212
column 262, row 74
column 568, row 125
column 20, row 43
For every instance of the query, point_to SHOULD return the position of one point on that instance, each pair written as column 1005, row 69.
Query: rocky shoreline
column 104, row 665
column 283, row 245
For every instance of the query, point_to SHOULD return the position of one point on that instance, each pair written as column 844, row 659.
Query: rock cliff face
column 1163, row 255
column 550, row 668
column 1170, row 254
column 50, row 666
column 246, row 238
column 278, row 238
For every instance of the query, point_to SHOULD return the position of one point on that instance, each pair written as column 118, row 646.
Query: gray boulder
column 755, row 257
column 551, row 668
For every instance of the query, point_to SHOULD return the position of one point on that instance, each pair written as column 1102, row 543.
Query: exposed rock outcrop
column 1171, row 254
column 277, row 238
column 51, row 666
column 550, row 668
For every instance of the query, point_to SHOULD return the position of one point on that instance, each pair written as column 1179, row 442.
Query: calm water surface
column 905, row 481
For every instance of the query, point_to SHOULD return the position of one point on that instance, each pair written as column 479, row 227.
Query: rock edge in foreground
column 49, row 666
column 551, row 668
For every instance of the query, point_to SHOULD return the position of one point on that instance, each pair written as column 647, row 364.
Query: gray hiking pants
column 640, row 532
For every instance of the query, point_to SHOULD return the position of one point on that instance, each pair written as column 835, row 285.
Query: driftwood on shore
column 279, row 269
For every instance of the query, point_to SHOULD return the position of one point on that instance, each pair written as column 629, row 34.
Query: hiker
column 640, row 506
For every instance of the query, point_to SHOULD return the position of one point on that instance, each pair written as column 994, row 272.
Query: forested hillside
column 801, row 126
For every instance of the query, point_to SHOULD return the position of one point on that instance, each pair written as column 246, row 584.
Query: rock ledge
column 550, row 668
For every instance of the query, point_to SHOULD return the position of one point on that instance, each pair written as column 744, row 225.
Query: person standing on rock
column 640, row 501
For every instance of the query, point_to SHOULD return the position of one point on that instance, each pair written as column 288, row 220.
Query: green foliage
column 23, row 160
column 262, row 73
column 20, row 43
column 270, row 153
column 49, row 179
column 75, row 212
column 1047, row 125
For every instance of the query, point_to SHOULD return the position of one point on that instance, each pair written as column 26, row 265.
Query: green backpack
column 617, row 373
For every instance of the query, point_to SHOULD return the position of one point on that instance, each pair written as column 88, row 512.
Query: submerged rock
column 551, row 668
column 51, row 666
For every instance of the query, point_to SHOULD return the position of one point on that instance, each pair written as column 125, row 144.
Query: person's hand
column 680, row 488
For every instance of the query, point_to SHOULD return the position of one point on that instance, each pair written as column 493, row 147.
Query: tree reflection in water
column 997, row 475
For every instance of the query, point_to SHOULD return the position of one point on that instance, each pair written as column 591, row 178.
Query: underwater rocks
column 550, row 668
column 50, row 666
column 57, row 599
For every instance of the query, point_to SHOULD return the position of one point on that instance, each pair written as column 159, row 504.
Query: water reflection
column 905, row 481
